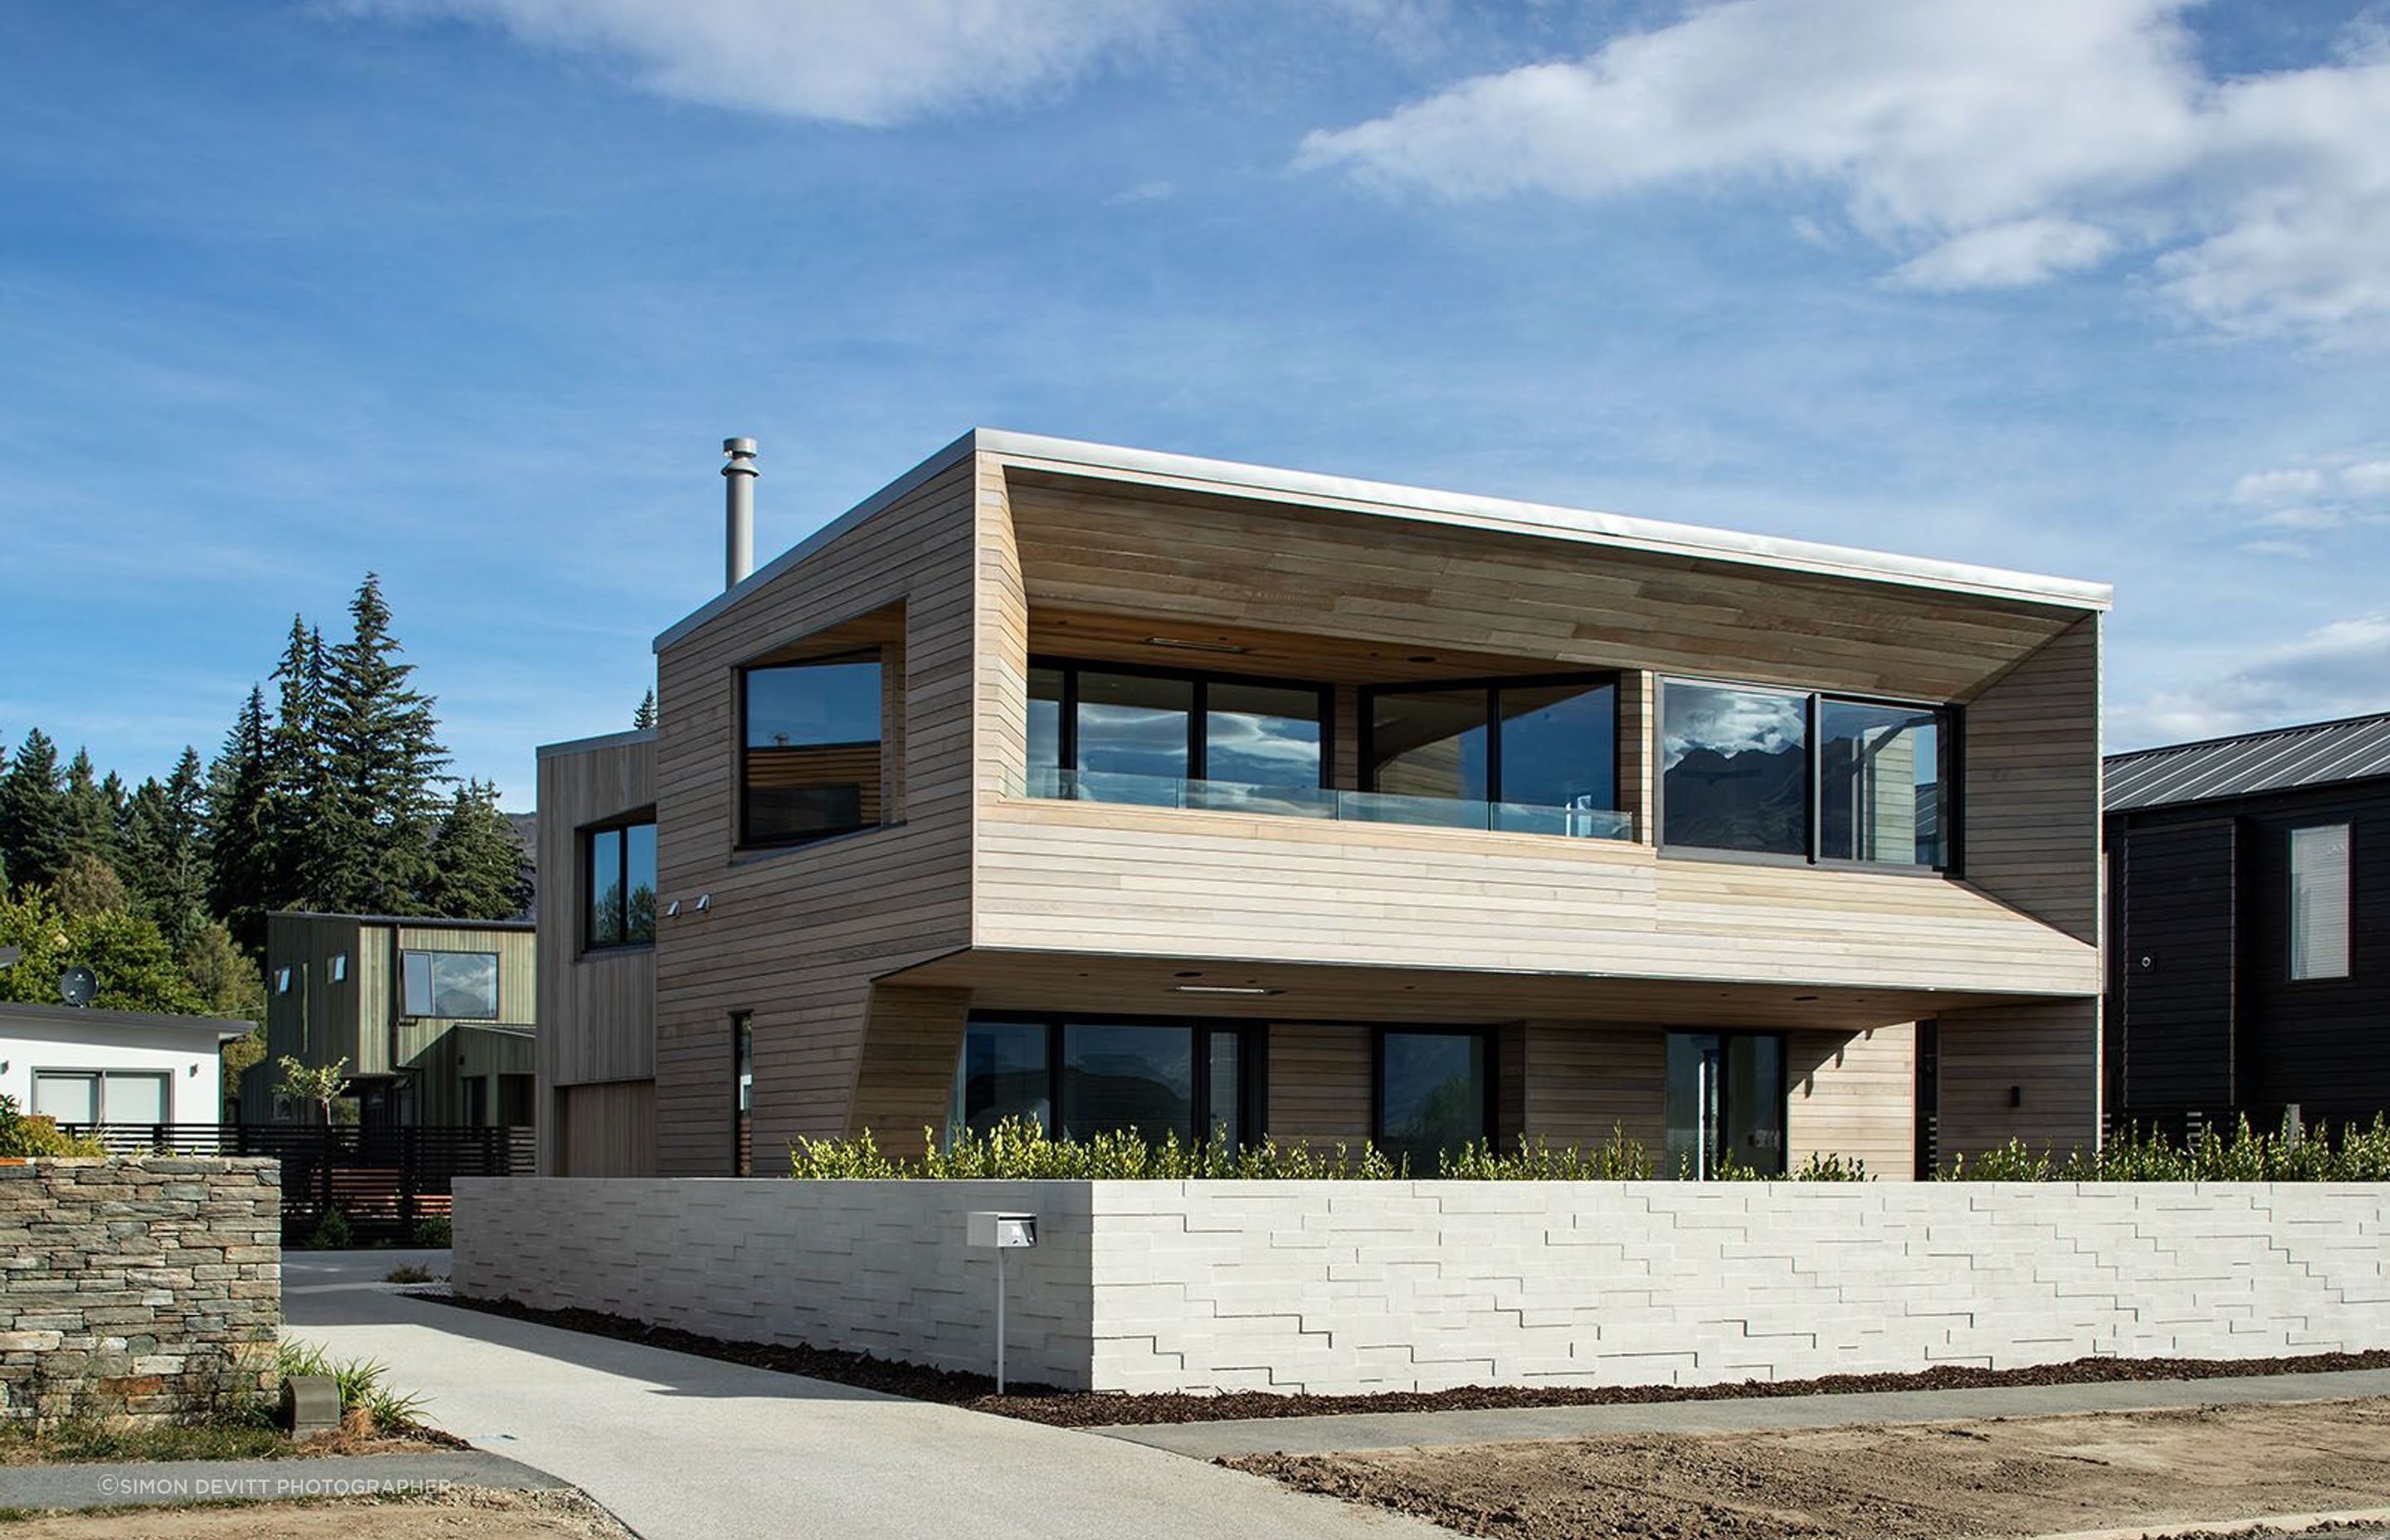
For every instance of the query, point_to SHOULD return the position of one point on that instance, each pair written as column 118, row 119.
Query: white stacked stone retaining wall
column 1331, row 1287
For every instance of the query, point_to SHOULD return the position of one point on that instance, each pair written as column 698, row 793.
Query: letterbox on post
column 989, row 1230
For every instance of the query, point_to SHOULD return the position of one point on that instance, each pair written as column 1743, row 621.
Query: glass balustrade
column 1319, row 802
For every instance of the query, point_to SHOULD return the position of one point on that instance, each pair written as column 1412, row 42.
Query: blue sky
column 468, row 292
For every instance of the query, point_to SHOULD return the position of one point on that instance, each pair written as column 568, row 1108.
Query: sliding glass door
column 1726, row 1103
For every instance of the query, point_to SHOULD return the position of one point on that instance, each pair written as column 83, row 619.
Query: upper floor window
column 2319, row 904
column 1535, row 750
column 1816, row 777
column 1123, row 731
column 811, row 760
column 456, row 986
column 622, row 866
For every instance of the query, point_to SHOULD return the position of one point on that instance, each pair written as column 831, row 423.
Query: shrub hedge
column 2348, row 1153
column 1018, row 1148
column 23, row 1136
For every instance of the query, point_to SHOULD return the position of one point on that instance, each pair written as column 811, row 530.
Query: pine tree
column 643, row 718
column 164, row 865
column 297, row 859
column 87, row 819
column 382, row 765
column 477, row 862
column 237, row 842
column 32, row 814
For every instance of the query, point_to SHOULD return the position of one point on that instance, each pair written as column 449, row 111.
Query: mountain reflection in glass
column 1133, row 724
column 1127, row 1077
column 1734, row 769
column 1879, row 784
column 1431, row 1095
column 1261, row 734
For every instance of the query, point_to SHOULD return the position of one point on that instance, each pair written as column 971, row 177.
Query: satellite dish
column 77, row 986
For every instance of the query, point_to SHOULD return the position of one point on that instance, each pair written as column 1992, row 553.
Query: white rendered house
column 80, row 1066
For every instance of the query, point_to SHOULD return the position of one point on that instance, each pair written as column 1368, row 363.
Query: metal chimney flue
column 739, row 511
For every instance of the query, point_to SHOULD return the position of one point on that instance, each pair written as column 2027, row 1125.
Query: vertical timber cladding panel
column 796, row 935
column 597, row 1010
column 1319, row 1089
column 1586, row 1082
column 2029, row 818
column 1635, row 693
column 1853, row 1094
column 606, row 1130
column 2030, row 1073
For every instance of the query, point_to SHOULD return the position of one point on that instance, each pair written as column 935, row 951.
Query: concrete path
column 679, row 1446
column 1313, row 1435
column 159, row 1482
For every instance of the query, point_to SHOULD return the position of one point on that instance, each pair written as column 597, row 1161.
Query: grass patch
column 407, row 1272
column 89, row 1440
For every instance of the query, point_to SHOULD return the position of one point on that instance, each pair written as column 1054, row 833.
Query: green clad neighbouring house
column 435, row 1016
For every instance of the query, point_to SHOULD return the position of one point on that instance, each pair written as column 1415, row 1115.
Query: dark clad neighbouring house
column 2250, row 893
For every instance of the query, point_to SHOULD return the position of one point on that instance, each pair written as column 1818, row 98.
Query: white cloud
column 1983, row 142
column 2007, row 256
column 868, row 63
column 2329, row 493
column 2341, row 669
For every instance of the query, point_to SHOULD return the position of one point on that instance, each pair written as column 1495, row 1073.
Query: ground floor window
column 1434, row 1093
column 1724, row 1103
column 113, row 1096
column 1079, row 1078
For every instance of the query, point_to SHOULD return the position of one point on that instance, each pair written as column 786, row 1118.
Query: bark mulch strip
column 1097, row 1410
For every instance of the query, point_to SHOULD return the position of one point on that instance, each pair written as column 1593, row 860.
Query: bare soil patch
column 464, row 1514
column 1088, row 1409
column 2021, row 1476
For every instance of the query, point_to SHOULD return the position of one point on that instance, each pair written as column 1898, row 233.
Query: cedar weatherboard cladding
column 797, row 934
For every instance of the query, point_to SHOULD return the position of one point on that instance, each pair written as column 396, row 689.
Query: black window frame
column 1950, row 733
column 586, row 838
column 1490, row 1041
column 1492, row 685
column 1253, row 1056
column 748, row 840
column 1198, row 711
column 1781, row 1094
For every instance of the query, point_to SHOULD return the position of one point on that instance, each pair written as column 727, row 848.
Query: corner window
column 1533, row 751
column 2319, row 904
column 1102, row 1077
column 1434, row 1093
column 811, row 760
column 1813, row 778
column 622, row 866
column 1879, row 784
column 454, row 986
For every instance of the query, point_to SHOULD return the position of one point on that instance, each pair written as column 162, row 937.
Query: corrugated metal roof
column 2316, row 754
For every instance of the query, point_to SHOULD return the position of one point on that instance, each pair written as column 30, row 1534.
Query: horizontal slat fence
column 385, row 1182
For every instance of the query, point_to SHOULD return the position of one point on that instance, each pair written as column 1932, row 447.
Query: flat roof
column 602, row 740
column 216, row 1027
column 1424, row 505
column 420, row 922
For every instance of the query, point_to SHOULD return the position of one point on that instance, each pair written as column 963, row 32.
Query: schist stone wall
column 1338, row 1287
column 146, row 1287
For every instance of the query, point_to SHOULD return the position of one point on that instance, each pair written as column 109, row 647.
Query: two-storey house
column 1115, row 788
